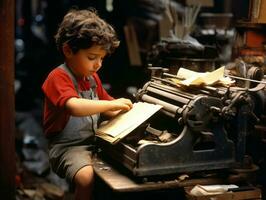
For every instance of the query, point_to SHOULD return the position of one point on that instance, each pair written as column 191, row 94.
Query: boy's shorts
column 66, row 159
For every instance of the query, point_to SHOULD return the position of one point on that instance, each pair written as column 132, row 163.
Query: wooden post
column 7, row 108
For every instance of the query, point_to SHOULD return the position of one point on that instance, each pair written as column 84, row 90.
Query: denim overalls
column 81, row 127
column 71, row 149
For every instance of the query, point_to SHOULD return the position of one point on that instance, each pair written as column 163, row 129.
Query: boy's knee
column 84, row 177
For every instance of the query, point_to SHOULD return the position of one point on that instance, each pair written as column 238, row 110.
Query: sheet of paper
column 126, row 122
column 203, row 190
column 206, row 78
column 186, row 73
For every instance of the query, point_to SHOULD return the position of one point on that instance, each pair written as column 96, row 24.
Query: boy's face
column 86, row 61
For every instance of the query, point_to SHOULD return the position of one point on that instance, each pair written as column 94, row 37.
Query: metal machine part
column 246, row 74
column 203, row 129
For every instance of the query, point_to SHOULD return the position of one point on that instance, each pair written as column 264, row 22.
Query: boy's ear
column 67, row 50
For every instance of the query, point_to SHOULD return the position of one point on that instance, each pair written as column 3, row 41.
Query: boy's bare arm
column 110, row 114
column 84, row 107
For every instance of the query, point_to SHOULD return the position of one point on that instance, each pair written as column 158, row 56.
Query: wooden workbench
column 116, row 183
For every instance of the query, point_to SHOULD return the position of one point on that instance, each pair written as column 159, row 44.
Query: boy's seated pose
column 74, row 97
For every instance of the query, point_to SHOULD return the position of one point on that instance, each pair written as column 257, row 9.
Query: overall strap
column 70, row 73
column 93, row 84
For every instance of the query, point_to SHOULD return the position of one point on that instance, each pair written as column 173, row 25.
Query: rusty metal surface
column 7, row 114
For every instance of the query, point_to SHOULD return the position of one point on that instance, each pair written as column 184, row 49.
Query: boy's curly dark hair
column 81, row 29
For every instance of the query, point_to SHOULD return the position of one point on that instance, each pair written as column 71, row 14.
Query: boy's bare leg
column 84, row 183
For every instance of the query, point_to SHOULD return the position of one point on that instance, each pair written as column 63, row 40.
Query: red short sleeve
column 58, row 87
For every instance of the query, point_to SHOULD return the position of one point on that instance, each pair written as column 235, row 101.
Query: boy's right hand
column 121, row 104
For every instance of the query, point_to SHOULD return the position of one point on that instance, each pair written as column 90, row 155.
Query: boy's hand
column 121, row 104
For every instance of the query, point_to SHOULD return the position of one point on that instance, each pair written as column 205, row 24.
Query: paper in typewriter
column 120, row 126
column 206, row 78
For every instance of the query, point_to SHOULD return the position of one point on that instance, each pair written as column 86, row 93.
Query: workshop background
column 156, row 36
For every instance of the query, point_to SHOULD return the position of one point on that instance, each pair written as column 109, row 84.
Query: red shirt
column 58, row 88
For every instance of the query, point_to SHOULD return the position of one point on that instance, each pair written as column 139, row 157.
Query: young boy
column 74, row 97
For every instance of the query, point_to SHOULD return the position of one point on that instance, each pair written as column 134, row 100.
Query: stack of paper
column 120, row 126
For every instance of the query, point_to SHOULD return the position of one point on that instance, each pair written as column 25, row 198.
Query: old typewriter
column 200, row 128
